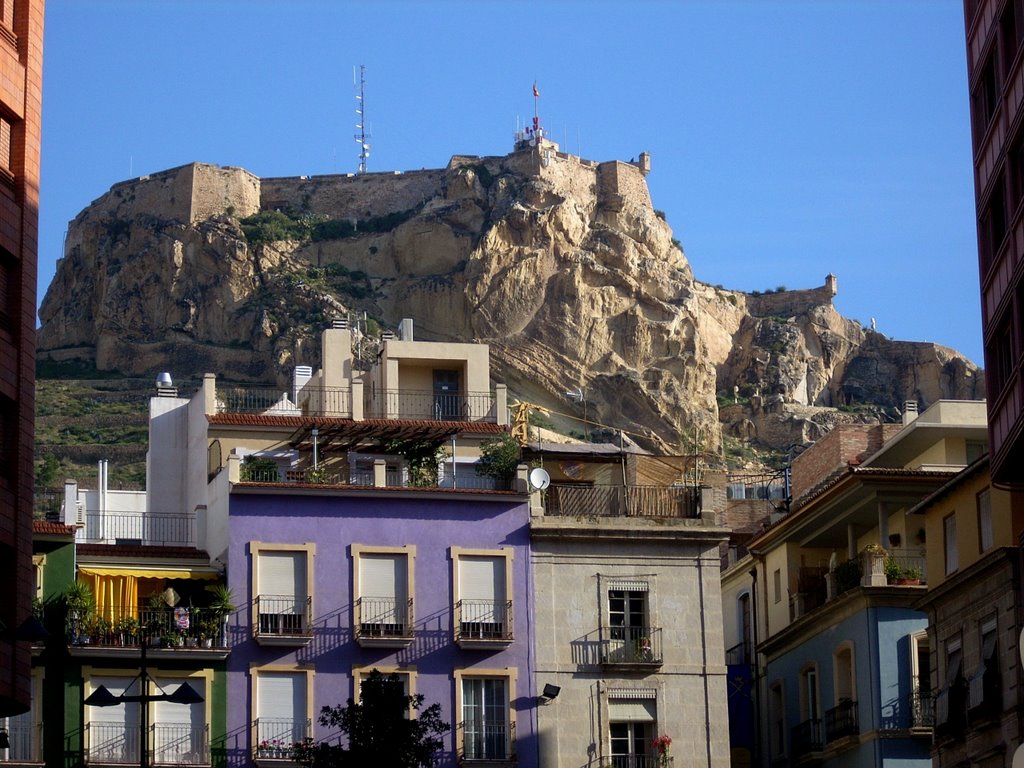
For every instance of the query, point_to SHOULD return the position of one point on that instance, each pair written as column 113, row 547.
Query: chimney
column 405, row 329
column 300, row 378
column 909, row 412
column 164, row 386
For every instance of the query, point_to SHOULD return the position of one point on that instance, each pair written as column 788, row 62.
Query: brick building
column 21, row 65
column 995, row 36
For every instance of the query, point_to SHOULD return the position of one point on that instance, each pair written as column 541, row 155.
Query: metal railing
column 262, row 400
column 138, row 528
column 906, row 566
column 623, row 501
column 631, row 645
column 180, row 744
column 807, row 737
column 126, row 626
column 922, row 709
column 433, row 406
column 26, row 739
column 283, row 615
column 486, row 740
column 483, row 620
column 384, row 617
column 741, row 653
column 842, row 721
column 112, row 743
column 278, row 738
column 637, row 761
column 394, row 477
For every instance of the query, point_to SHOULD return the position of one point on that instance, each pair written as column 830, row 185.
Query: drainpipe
column 758, row 671
column 704, row 654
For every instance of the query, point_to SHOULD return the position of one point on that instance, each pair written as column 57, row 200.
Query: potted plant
column 101, row 630
column 661, row 746
column 127, row 629
column 80, row 603
column 499, row 458
column 222, row 603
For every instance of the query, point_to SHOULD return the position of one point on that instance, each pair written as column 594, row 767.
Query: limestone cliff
column 560, row 264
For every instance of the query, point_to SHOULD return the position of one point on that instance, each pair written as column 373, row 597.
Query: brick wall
column 844, row 444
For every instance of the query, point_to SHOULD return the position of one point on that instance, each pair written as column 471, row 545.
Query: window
column 951, row 700
column 776, row 721
column 38, row 563
column 842, row 720
column 985, row 521
column 25, row 731
column 482, row 581
column 809, row 709
column 8, row 289
column 283, row 586
column 180, row 732
column 745, row 619
column 922, row 707
column 112, row 733
column 984, row 689
column 630, row 638
column 985, row 97
column 1011, row 28
column 975, row 449
column 999, row 355
column 383, row 588
column 777, row 584
column 632, row 719
column 949, row 539
column 406, row 676
column 486, row 730
column 283, row 698
column 993, row 223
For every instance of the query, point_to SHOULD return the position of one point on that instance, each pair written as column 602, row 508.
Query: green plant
column 222, row 599
column 895, row 572
column 422, row 457
column 499, row 457
column 847, row 575
column 257, row 469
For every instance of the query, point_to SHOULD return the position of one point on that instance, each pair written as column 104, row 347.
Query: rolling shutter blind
column 281, row 696
column 283, row 573
column 126, row 714
column 482, row 578
column 383, row 575
column 167, row 712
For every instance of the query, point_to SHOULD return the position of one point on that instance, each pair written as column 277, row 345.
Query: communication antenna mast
column 362, row 138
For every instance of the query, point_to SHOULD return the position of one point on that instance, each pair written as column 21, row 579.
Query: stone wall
column 164, row 195
column 351, row 196
column 216, row 189
column 617, row 179
column 790, row 303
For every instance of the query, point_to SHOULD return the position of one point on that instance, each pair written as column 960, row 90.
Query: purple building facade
column 430, row 584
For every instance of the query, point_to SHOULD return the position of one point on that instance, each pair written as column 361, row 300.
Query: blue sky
column 788, row 139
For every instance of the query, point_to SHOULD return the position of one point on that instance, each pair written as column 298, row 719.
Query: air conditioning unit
column 80, row 514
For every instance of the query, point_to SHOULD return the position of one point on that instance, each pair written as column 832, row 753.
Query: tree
column 379, row 729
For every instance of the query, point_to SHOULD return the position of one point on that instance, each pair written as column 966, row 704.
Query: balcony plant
column 222, row 603
column 847, row 575
column 499, row 458
column 127, row 629
column 81, row 603
column 899, row 574
column 661, row 747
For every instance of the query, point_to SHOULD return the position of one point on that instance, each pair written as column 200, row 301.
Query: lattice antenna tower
column 363, row 137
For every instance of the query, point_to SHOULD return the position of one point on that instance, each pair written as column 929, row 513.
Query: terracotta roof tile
column 132, row 551
column 51, row 527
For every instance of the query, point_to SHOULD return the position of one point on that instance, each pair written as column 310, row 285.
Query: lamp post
column 102, row 697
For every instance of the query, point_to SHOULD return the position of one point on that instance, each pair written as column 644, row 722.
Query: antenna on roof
column 363, row 136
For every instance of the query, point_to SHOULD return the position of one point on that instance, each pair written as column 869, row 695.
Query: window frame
column 844, row 648
column 255, row 670
column 357, row 552
column 777, row 730
column 983, row 502
column 361, row 671
column 510, row 676
column 456, row 554
column 951, row 551
column 256, row 548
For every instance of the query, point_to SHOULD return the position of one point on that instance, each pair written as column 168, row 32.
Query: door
column 446, row 396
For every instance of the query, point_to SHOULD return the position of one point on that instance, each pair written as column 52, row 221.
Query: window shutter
column 482, row 578
column 383, row 575
column 283, row 573
column 165, row 712
column 631, row 710
column 281, row 696
column 123, row 714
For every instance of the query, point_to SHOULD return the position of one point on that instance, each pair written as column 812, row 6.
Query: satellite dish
column 539, row 479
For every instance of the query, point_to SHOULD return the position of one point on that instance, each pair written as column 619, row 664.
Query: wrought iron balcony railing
column 922, row 709
column 741, row 653
column 480, row 741
column 283, row 618
column 116, row 625
column 807, row 737
column 631, row 645
column 383, row 618
column 483, row 622
column 842, row 721
column 26, row 738
column 637, row 761
column 279, row 738
column 433, row 406
column 137, row 528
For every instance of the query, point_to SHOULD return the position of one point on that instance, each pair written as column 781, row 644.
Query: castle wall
column 622, row 180
column 215, row 189
column 352, row 197
column 789, row 303
column 164, row 195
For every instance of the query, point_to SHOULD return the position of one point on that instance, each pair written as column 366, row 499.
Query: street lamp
column 102, row 697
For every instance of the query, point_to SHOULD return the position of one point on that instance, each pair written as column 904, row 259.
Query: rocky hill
column 561, row 265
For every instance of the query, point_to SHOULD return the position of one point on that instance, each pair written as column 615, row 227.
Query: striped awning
column 628, row 586
column 156, row 572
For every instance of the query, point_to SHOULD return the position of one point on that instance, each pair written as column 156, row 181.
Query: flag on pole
column 536, row 93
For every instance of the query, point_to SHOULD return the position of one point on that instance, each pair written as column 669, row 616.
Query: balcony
column 808, row 737
column 336, row 402
column 384, row 622
column 486, row 742
column 177, row 530
column 277, row 740
column 631, row 647
column 283, row 620
column 623, row 501
column 483, row 623
column 168, row 743
column 637, row 761
column 922, row 709
column 25, row 737
column 741, row 653
column 121, row 630
column 394, row 476
column 841, row 721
